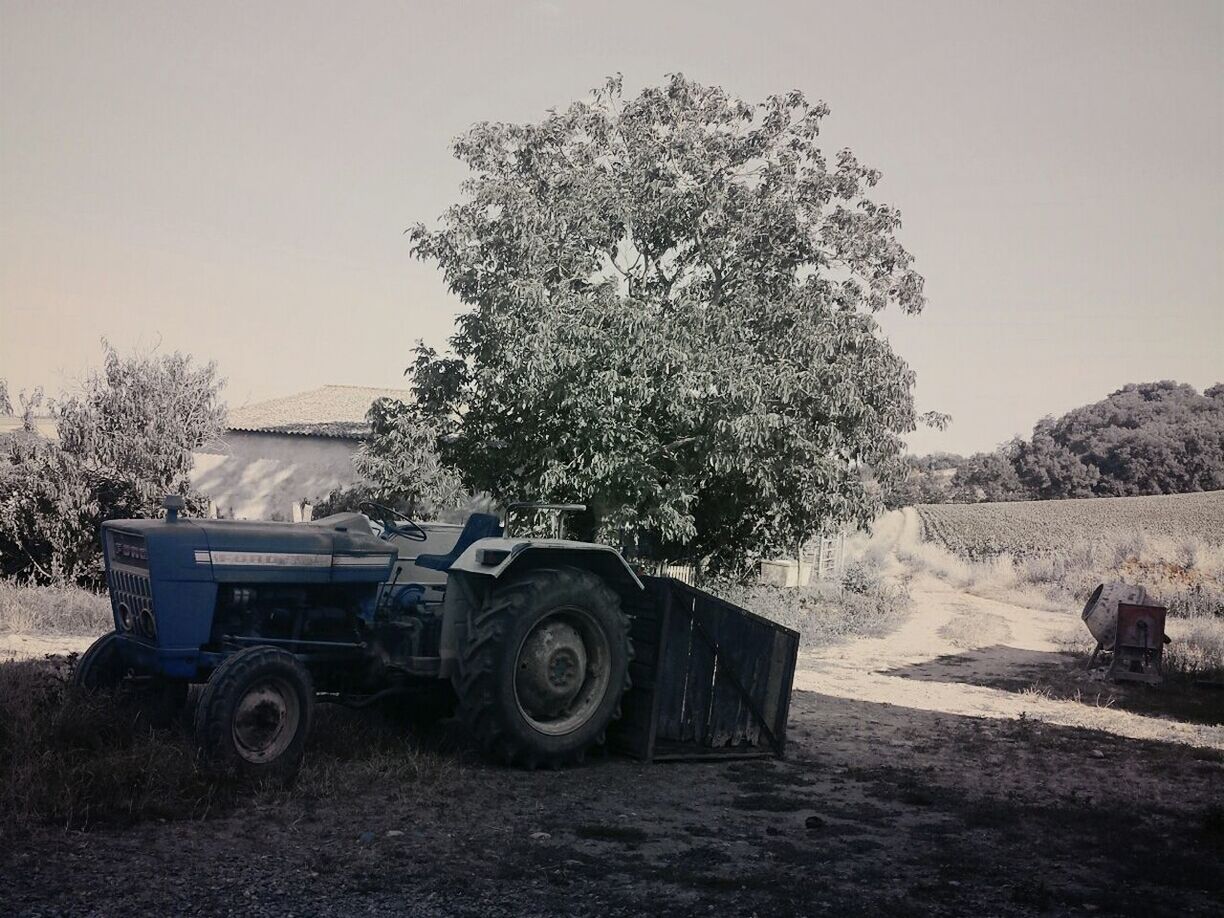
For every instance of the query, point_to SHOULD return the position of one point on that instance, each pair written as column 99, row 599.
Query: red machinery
column 1128, row 629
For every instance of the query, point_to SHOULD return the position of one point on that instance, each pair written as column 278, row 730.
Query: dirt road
column 973, row 657
column 926, row 776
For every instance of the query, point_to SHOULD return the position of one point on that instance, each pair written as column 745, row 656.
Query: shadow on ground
column 1065, row 677
column 877, row 809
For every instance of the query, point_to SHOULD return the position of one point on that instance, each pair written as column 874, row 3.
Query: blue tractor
column 527, row 636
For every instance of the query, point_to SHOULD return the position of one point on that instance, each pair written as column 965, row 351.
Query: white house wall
column 260, row 476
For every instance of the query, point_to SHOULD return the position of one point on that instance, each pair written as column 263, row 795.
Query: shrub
column 860, row 578
column 125, row 441
column 825, row 613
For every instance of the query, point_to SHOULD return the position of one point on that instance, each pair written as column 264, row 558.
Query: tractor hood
column 333, row 551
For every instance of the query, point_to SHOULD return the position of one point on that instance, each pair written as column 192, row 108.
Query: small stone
column 394, row 833
column 366, row 837
column 540, row 836
column 1097, row 754
column 814, row 823
column 772, row 830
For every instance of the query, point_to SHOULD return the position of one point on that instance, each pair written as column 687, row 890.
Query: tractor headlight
column 125, row 617
column 148, row 625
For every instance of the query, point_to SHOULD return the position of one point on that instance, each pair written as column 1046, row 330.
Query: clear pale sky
column 234, row 180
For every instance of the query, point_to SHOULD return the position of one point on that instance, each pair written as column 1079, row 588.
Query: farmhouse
column 280, row 453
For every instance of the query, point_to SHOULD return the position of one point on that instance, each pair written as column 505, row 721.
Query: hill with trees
column 1145, row 438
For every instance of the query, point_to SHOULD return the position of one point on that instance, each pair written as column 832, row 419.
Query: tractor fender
column 487, row 561
column 498, row 557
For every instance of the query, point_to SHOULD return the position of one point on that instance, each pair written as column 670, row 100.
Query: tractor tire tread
column 476, row 685
column 212, row 723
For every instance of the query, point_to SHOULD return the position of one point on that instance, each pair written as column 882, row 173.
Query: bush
column 125, row 441
column 860, row 578
column 825, row 613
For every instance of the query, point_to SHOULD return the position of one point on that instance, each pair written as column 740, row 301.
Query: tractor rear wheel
column 254, row 715
column 544, row 667
column 159, row 702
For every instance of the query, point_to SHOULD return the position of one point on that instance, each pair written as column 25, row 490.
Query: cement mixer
column 1101, row 611
column 1129, row 629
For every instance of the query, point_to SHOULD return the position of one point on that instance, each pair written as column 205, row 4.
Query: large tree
column 671, row 320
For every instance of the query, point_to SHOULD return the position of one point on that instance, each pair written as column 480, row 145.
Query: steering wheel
column 406, row 529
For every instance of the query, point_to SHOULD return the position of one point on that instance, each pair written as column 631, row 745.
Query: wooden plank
column 673, row 657
column 630, row 733
column 740, row 643
column 727, row 630
column 773, row 684
column 700, row 684
column 645, row 653
column 644, row 631
column 634, row 731
column 778, row 690
column 753, row 657
column 703, row 708
column 642, row 676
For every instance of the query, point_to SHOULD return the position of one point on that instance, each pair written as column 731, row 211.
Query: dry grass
column 1185, row 575
column 67, row 610
column 78, row 762
column 867, row 603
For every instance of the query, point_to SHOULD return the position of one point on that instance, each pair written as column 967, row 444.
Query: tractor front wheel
column 158, row 701
column 100, row 667
column 254, row 715
column 544, row 667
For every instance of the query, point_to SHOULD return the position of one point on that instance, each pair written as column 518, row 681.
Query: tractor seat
column 478, row 526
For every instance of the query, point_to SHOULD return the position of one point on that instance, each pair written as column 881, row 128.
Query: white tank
column 1101, row 611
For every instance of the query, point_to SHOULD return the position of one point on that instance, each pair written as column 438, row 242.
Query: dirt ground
column 32, row 646
column 962, row 765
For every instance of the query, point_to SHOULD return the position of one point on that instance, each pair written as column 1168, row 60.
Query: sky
column 234, row 180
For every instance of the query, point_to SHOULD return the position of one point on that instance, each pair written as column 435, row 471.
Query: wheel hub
column 562, row 671
column 552, row 668
column 265, row 721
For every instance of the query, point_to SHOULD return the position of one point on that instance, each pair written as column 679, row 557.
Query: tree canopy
column 671, row 320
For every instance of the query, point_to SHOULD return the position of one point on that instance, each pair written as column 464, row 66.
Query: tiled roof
column 330, row 411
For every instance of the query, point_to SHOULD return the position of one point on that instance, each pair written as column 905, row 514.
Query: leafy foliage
column 399, row 466
column 671, row 321
column 987, row 477
column 6, row 404
column 1148, row 438
column 125, row 441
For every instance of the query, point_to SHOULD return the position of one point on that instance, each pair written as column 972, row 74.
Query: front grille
column 132, row 591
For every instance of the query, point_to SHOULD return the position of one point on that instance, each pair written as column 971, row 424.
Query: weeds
column 1183, row 574
column 79, row 761
column 868, row 604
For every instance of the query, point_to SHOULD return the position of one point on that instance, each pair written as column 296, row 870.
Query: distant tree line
column 1146, row 438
